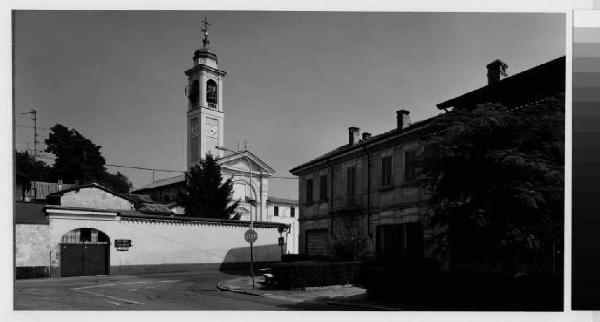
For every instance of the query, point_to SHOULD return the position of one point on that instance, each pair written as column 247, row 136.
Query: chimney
column 495, row 70
column 403, row 119
column 366, row 136
column 353, row 135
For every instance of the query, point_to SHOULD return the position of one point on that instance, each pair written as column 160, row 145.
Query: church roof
column 163, row 182
column 181, row 178
column 251, row 156
column 278, row 200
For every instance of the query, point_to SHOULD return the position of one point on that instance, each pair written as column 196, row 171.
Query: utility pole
column 35, row 141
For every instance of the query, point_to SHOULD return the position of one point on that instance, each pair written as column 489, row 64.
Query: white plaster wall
column 94, row 198
column 170, row 243
column 284, row 217
column 31, row 243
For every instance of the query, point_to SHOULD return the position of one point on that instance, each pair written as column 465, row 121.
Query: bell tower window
column 194, row 94
column 211, row 93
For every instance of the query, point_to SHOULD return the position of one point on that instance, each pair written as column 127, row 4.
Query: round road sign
column 250, row 235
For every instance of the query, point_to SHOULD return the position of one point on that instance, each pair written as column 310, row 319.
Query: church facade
column 205, row 134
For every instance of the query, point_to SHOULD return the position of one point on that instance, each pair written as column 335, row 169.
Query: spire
column 205, row 41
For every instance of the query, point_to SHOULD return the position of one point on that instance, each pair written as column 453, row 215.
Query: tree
column 119, row 182
column 497, row 178
column 36, row 170
column 77, row 158
column 206, row 195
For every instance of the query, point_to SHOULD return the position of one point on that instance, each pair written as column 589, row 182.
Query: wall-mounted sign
column 122, row 244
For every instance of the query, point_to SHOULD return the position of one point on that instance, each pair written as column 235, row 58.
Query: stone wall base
column 22, row 272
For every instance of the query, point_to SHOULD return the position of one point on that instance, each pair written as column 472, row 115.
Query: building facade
column 285, row 211
column 369, row 192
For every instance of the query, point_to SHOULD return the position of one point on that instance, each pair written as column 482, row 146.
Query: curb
column 222, row 287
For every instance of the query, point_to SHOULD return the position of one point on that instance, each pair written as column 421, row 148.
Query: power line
column 142, row 168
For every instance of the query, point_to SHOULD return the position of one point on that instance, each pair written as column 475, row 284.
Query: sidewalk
column 348, row 296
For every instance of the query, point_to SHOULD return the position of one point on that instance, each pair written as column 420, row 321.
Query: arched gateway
column 84, row 251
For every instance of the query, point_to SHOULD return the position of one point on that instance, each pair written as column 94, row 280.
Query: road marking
column 92, row 286
column 130, row 283
column 115, row 303
column 168, row 281
column 111, row 297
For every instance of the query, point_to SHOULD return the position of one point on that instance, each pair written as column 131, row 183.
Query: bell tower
column 205, row 110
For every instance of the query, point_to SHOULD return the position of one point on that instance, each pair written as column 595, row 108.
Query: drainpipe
column 368, row 190
column 261, row 196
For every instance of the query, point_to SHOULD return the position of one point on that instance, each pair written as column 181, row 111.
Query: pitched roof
column 544, row 79
column 181, row 178
column 374, row 139
column 534, row 83
column 273, row 199
column 142, row 203
column 136, row 197
column 83, row 186
column 251, row 156
column 162, row 183
column 153, row 208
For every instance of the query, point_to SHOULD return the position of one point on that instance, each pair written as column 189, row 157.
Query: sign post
column 250, row 235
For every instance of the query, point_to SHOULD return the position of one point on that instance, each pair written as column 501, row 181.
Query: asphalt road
column 166, row 291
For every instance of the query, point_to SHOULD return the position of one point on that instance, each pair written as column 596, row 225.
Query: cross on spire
column 205, row 41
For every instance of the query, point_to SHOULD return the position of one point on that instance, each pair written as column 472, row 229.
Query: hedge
column 420, row 286
column 316, row 273
column 288, row 258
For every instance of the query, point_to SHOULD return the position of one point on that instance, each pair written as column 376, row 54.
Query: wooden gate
column 83, row 259
column 84, row 251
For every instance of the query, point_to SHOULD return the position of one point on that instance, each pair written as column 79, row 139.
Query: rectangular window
column 309, row 190
column 410, row 165
column 323, row 188
column 275, row 211
column 351, row 185
column 386, row 170
column 400, row 240
column 292, row 212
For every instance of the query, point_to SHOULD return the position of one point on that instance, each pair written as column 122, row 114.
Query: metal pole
column 252, row 264
column 251, row 218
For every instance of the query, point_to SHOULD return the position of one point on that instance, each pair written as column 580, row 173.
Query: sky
column 295, row 80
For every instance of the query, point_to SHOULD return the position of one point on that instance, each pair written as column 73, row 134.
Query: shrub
column 350, row 249
column 421, row 285
column 316, row 273
column 288, row 258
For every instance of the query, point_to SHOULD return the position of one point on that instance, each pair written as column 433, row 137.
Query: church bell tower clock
column 205, row 110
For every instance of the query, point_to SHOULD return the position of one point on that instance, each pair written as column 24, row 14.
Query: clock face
column 212, row 131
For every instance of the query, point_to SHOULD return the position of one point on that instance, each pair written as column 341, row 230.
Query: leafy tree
column 77, row 158
column 497, row 178
column 36, row 170
column 206, row 195
column 119, row 182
